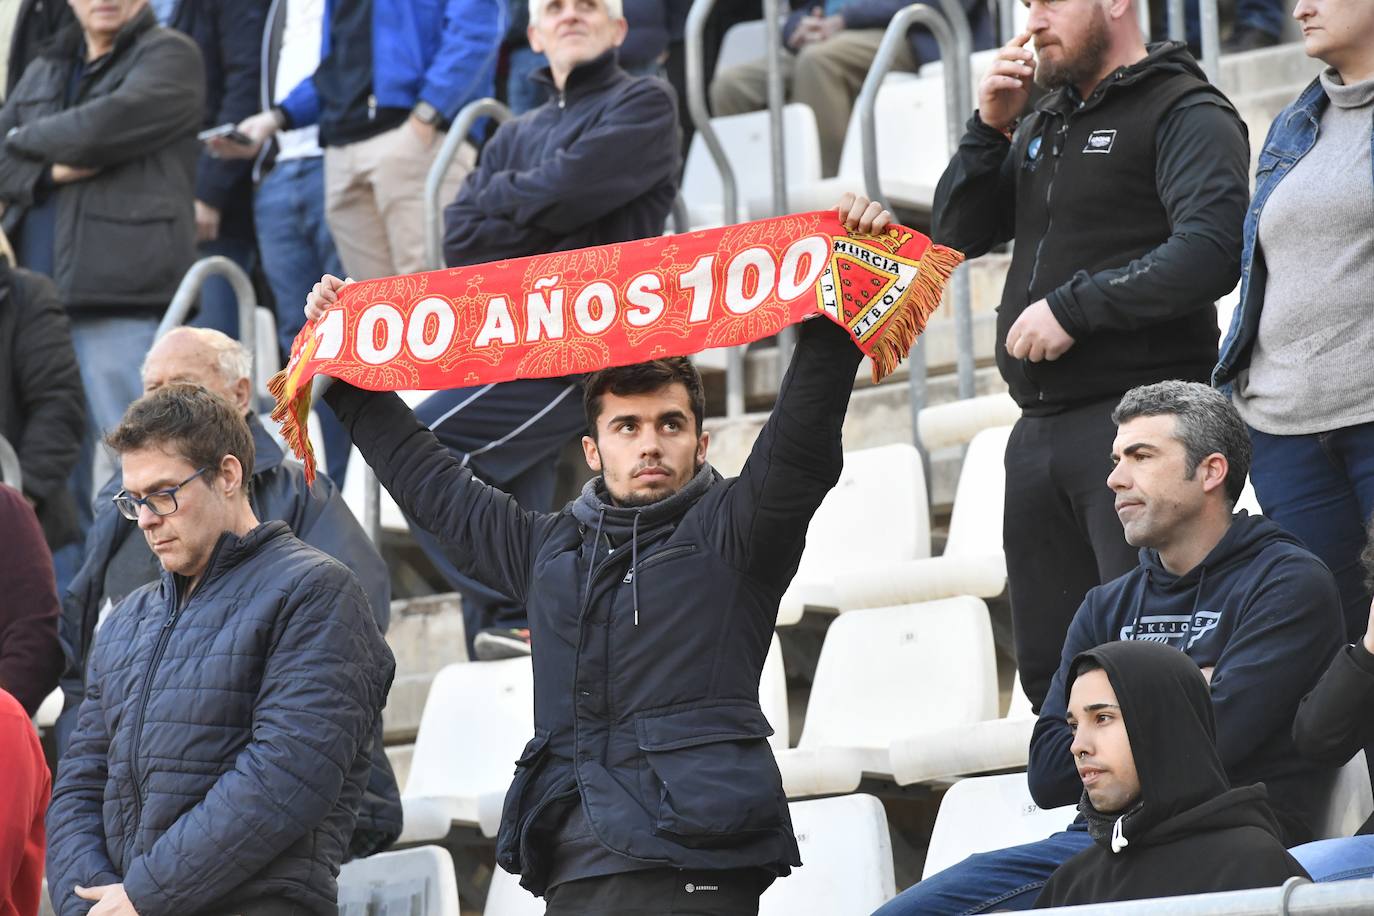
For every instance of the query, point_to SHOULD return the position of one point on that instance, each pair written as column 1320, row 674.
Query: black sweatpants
column 1060, row 531
column 660, row 892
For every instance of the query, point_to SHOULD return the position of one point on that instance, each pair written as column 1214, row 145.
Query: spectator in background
column 232, row 785
column 654, row 26
column 1332, row 726
column 294, row 241
column 552, row 179
column 25, row 786
column 42, row 405
column 395, row 74
column 1160, row 809
column 1257, row 613
column 1112, row 280
column 832, row 47
column 25, row 26
column 118, row 561
column 1296, row 359
column 96, row 177
column 30, row 657
column 229, row 34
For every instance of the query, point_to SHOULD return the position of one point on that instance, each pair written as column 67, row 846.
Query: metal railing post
column 10, row 471
column 434, row 182
column 786, row 338
column 961, row 294
column 1006, row 21
column 189, row 291
column 1178, row 21
column 1142, row 12
column 1211, row 40
column 701, row 117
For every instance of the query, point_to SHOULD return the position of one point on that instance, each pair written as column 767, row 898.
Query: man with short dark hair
column 652, row 600
column 1254, row 610
column 223, row 743
column 1160, row 809
column 119, row 561
column 1125, row 188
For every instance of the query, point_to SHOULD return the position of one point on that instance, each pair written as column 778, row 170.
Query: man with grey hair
column 1125, row 188
column 1257, row 613
column 118, row 561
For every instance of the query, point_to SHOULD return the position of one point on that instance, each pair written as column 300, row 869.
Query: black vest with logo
column 1087, row 200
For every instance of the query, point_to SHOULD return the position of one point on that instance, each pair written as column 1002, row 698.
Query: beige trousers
column 826, row 75
column 374, row 192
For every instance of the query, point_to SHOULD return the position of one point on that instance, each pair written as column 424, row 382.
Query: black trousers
column 1060, row 531
column 661, row 891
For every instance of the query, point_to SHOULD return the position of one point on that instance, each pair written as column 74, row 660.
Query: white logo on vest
column 1100, row 141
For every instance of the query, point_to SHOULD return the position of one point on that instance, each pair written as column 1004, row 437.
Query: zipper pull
column 372, row 107
column 562, row 100
column 629, row 577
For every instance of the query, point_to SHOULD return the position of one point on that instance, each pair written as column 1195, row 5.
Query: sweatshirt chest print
column 1165, row 628
column 1100, row 141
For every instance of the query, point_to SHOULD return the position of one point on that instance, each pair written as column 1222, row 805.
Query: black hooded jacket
column 1190, row 833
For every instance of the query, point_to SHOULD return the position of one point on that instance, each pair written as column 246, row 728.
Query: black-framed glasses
column 163, row 502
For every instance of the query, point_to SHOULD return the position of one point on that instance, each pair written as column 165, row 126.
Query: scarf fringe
column 293, row 417
column 899, row 335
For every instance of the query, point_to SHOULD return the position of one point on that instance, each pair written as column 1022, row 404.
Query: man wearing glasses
column 223, row 744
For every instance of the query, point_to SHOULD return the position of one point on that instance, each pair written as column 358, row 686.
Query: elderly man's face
column 105, row 17
column 181, row 358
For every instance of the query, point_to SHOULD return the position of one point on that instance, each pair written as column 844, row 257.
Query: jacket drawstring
column 634, row 566
column 1119, row 841
column 591, row 561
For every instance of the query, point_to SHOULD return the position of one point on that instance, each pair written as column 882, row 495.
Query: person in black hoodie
column 1332, row 725
column 1160, row 809
column 1125, row 188
column 1254, row 610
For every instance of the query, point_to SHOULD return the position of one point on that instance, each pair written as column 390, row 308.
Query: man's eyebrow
column 155, row 486
column 1094, row 707
column 623, row 418
column 1136, row 447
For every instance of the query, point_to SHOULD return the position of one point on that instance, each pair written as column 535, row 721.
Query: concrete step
column 1284, row 66
column 425, row 635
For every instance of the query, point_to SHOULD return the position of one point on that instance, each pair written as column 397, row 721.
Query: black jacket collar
column 586, row 78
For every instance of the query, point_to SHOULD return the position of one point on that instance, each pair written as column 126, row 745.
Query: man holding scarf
column 649, row 783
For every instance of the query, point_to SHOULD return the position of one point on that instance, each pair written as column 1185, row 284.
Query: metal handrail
column 960, row 290
column 1211, row 40
column 189, row 291
column 695, row 66
column 10, row 471
column 1177, row 26
column 434, row 182
column 1006, row 20
column 786, row 338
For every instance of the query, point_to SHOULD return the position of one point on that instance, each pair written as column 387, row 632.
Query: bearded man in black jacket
column 1161, row 812
column 1125, row 189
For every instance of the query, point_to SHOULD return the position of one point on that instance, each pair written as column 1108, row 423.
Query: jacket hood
column 1166, row 705
column 1160, row 57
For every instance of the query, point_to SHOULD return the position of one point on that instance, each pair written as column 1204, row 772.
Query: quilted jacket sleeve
column 323, row 687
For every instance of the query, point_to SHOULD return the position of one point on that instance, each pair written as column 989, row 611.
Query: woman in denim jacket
column 1297, row 357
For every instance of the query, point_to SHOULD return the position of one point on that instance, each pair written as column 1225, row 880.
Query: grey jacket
column 133, row 114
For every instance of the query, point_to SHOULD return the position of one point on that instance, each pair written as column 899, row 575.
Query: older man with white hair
column 118, row 561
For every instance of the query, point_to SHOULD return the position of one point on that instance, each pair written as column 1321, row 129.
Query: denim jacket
column 1293, row 133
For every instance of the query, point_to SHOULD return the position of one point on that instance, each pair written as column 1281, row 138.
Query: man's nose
column 147, row 518
column 1038, row 20
column 1079, row 744
column 1118, row 479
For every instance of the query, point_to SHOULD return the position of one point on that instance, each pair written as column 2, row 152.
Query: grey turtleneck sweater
column 1311, row 369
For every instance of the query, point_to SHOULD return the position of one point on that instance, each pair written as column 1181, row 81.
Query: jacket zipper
column 1056, row 150
column 372, row 108
column 164, row 636
column 659, row 557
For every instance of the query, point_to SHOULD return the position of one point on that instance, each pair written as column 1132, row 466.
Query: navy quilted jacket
column 222, row 748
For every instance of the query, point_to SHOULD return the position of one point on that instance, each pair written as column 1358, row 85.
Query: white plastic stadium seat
column 848, row 854
column 505, row 897
column 1351, row 802
column 986, row 813
column 476, row 719
column 743, row 43
column 879, row 671
column 877, row 515
column 48, row 711
column 957, row 422
column 966, row 750
column 745, row 138
column 409, row 881
column 773, row 696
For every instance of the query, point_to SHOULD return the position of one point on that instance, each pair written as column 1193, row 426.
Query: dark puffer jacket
column 222, row 748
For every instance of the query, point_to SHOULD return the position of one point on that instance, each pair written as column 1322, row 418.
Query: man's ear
column 1215, row 469
column 243, row 393
column 230, row 477
column 532, row 34
column 1116, row 9
column 591, row 453
column 622, row 28
column 703, row 443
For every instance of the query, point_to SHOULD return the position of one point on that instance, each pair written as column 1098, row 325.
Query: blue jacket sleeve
column 475, row 236
column 1051, row 775
column 323, row 687
column 462, row 69
column 588, row 179
column 237, row 28
column 76, row 826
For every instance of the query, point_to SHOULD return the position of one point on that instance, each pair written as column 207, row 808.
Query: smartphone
column 229, row 132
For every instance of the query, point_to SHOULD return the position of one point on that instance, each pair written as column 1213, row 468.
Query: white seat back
column 745, row 138
column 1351, row 801
column 975, row 525
column 773, row 696
column 744, row 42
column 476, row 720
column 418, row 880
column 848, row 854
column 505, row 897
column 1020, row 706
column 883, row 671
column 986, row 813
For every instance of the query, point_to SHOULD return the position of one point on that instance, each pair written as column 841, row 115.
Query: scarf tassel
column 913, row 310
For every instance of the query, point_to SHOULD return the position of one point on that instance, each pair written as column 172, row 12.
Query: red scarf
column 579, row 311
